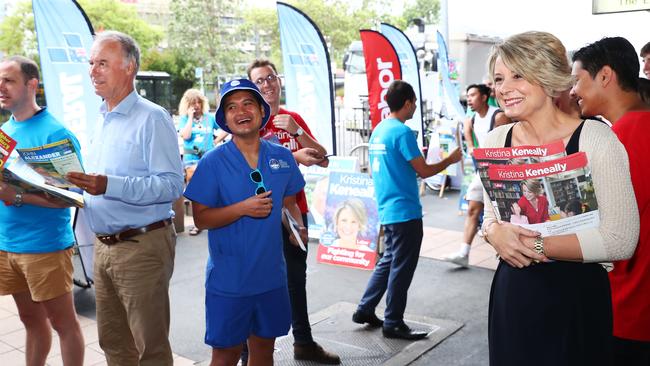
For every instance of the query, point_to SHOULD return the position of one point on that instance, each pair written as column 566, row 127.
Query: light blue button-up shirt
column 136, row 147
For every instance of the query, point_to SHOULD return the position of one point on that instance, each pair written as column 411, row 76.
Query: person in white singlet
column 476, row 128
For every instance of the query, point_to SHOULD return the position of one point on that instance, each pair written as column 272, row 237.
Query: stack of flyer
column 539, row 187
column 7, row 145
column 41, row 169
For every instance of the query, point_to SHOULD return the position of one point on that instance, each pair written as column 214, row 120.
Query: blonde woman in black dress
column 557, row 312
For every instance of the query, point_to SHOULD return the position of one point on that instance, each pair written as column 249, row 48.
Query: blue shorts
column 231, row 320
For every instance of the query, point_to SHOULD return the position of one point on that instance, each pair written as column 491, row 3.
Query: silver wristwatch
column 538, row 247
column 299, row 132
column 18, row 200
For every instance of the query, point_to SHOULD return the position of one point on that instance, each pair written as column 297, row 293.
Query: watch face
column 18, row 200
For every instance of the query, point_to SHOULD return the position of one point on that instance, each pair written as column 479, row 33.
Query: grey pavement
column 439, row 291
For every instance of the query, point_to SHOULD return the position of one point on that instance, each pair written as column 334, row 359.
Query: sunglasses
column 256, row 177
column 269, row 79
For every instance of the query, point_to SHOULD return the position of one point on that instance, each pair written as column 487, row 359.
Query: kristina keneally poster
column 351, row 222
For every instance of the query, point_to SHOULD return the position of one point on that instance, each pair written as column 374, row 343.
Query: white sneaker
column 458, row 259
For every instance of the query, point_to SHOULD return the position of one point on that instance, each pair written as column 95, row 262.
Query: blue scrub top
column 246, row 256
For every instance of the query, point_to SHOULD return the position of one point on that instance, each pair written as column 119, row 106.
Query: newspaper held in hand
column 45, row 170
column 7, row 145
column 292, row 226
column 486, row 157
column 53, row 161
column 553, row 197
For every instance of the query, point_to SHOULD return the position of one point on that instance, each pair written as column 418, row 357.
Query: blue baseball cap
column 236, row 85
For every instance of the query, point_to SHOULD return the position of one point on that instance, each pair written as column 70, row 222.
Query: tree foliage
column 221, row 36
column 173, row 63
column 261, row 27
column 203, row 32
column 113, row 15
column 17, row 35
column 427, row 10
column 337, row 21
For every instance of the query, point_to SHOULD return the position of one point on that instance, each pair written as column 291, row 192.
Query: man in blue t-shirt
column 395, row 163
column 35, row 231
column 238, row 191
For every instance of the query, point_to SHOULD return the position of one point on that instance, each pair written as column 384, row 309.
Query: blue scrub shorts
column 231, row 320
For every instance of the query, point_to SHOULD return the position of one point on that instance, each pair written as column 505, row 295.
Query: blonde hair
column 539, row 57
column 357, row 208
column 533, row 185
column 189, row 97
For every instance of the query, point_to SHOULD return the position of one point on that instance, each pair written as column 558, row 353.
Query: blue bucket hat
column 233, row 86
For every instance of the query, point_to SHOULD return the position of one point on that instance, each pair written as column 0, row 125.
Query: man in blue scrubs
column 237, row 192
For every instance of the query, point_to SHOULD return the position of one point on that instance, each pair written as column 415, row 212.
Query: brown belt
column 126, row 235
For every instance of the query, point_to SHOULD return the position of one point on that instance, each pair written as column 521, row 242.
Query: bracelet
column 484, row 230
column 538, row 247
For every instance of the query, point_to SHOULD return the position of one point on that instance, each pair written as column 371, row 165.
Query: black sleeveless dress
column 551, row 314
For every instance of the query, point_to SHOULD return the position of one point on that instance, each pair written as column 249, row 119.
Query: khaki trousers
column 132, row 299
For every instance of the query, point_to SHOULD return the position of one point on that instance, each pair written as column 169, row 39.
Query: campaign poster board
column 316, row 184
column 351, row 220
column 348, row 164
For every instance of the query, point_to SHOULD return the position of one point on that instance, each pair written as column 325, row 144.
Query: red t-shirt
column 630, row 279
column 290, row 143
column 534, row 216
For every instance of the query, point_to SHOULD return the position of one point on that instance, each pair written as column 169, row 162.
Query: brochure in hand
column 553, row 197
column 7, row 145
column 53, row 161
column 485, row 157
column 292, row 226
column 44, row 170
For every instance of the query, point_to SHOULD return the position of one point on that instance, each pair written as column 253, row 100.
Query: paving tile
column 15, row 339
column 14, row 357
column 94, row 346
column 478, row 256
column 7, row 303
column 10, row 325
column 4, row 313
column 90, row 358
column 83, row 321
column 90, row 333
column 4, row 348
column 490, row 263
column 442, row 251
column 182, row 361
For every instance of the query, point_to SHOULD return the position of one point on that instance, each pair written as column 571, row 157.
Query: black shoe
column 315, row 353
column 403, row 331
column 361, row 317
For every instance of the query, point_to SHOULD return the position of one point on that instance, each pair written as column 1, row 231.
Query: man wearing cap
column 237, row 193
column 135, row 175
column 293, row 133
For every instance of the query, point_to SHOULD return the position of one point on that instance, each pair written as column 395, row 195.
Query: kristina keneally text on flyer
column 553, row 197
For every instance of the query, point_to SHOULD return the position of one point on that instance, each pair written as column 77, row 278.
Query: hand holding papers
column 295, row 231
